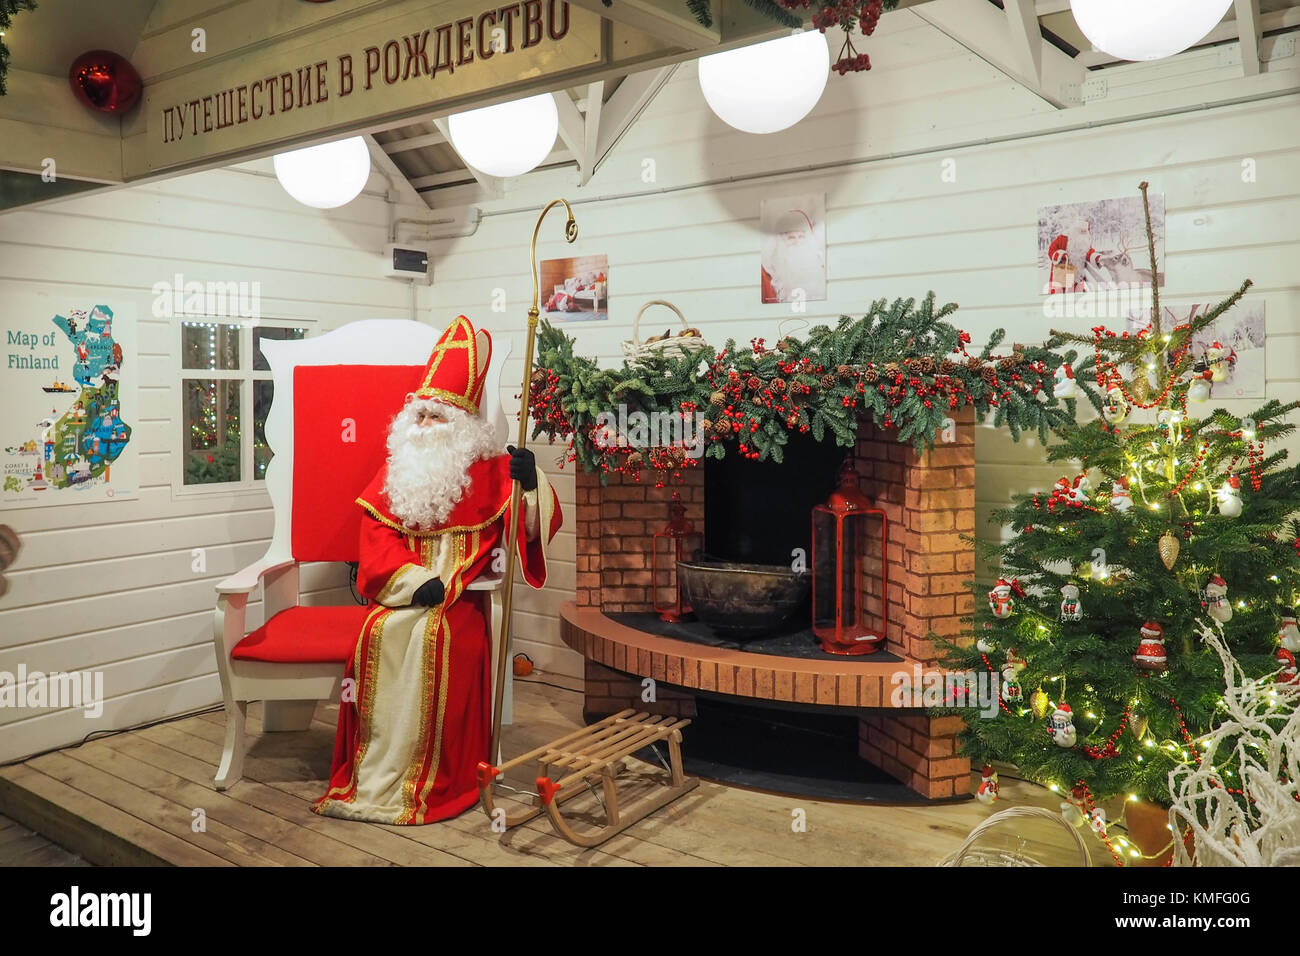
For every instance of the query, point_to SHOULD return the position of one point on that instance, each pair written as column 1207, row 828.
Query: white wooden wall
column 895, row 228
column 109, row 586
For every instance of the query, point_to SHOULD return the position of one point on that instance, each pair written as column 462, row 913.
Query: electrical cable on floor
column 571, row 690
column 103, row 734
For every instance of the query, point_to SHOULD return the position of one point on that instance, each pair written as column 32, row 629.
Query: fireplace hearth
column 929, row 503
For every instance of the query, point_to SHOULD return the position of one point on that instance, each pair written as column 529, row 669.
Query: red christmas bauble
column 105, row 81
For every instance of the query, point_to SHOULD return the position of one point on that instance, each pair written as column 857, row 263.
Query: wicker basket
column 674, row 346
column 968, row 854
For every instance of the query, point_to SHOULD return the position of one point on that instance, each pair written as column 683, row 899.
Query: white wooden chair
column 335, row 396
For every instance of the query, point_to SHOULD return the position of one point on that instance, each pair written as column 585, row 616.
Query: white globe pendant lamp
column 325, row 176
column 1146, row 29
column 508, row 139
column 769, row 86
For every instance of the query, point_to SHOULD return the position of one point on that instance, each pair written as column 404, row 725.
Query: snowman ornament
column 1220, row 359
column 1097, row 820
column 1230, row 497
column 1150, row 654
column 1071, row 609
column 988, row 788
column 1061, row 727
column 1198, row 390
column 1216, row 600
column 1115, row 409
column 1288, row 635
column 1066, row 386
column 1121, row 498
column 1000, row 602
column 1011, row 691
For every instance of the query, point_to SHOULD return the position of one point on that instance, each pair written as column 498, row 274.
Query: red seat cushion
column 305, row 635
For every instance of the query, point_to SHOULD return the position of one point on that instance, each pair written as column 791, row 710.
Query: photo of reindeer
column 1238, row 335
column 1097, row 246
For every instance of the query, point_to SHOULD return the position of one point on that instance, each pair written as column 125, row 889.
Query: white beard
column 1077, row 245
column 798, row 266
column 428, row 465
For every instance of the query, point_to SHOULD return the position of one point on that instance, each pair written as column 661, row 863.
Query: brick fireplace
column 930, row 502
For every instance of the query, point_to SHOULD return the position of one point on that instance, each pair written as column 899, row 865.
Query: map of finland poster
column 69, row 405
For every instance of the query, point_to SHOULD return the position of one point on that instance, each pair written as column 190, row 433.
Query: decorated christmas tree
column 1168, row 511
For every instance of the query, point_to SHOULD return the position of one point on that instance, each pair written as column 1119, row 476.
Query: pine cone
column 892, row 368
column 786, row 345
column 947, row 366
column 718, row 399
column 1008, row 363
column 989, row 374
column 722, row 428
column 778, row 385
column 540, row 378
column 974, row 364
column 754, row 382
column 635, row 460
column 870, row 375
column 844, row 371
column 829, row 381
column 925, row 365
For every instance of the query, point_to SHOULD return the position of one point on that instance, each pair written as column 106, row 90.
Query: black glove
column 523, row 467
column 430, row 593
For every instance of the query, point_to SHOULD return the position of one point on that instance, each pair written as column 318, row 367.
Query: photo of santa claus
column 1097, row 246
column 793, row 248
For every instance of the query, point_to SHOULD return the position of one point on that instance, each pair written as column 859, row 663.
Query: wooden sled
column 597, row 751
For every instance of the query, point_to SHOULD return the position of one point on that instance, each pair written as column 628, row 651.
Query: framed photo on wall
column 793, row 248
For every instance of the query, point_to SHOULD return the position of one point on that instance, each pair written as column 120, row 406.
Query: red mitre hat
column 458, row 366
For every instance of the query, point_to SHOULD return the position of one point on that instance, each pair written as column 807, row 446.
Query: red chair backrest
column 341, row 415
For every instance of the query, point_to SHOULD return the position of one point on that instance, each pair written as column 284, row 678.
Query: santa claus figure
column 794, row 261
column 988, row 788
column 1061, row 727
column 1121, row 498
column 1066, row 386
column 1072, row 255
column 1217, row 604
column 1150, row 654
column 1115, row 408
column 1290, row 673
column 439, row 509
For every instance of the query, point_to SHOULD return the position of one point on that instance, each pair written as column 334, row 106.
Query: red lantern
column 846, row 549
column 679, row 541
column 105, row 81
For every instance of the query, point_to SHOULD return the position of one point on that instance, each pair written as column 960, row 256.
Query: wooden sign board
column 397, row 61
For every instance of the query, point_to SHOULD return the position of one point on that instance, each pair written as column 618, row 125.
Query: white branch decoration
column 1260, row 728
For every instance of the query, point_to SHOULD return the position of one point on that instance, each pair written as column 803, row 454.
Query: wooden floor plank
column 167, row 814
column 142, row 785
column 104, row 835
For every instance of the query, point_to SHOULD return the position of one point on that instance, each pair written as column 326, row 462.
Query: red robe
column 418, row 722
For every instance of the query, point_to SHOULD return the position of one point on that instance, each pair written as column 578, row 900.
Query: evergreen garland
column 900, row 366
column 8, row 9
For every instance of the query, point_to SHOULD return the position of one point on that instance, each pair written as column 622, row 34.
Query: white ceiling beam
column 1248, row 29
column 413, row 142
column 1026, row 37
column 573, row 131
column 555, row 157
column 1045, row 8
column 492, row 185
column 625, row 105
column 591, row 122
column 981, row 28
column 394, row 174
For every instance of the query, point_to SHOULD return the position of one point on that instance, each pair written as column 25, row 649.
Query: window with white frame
column 225, row 385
